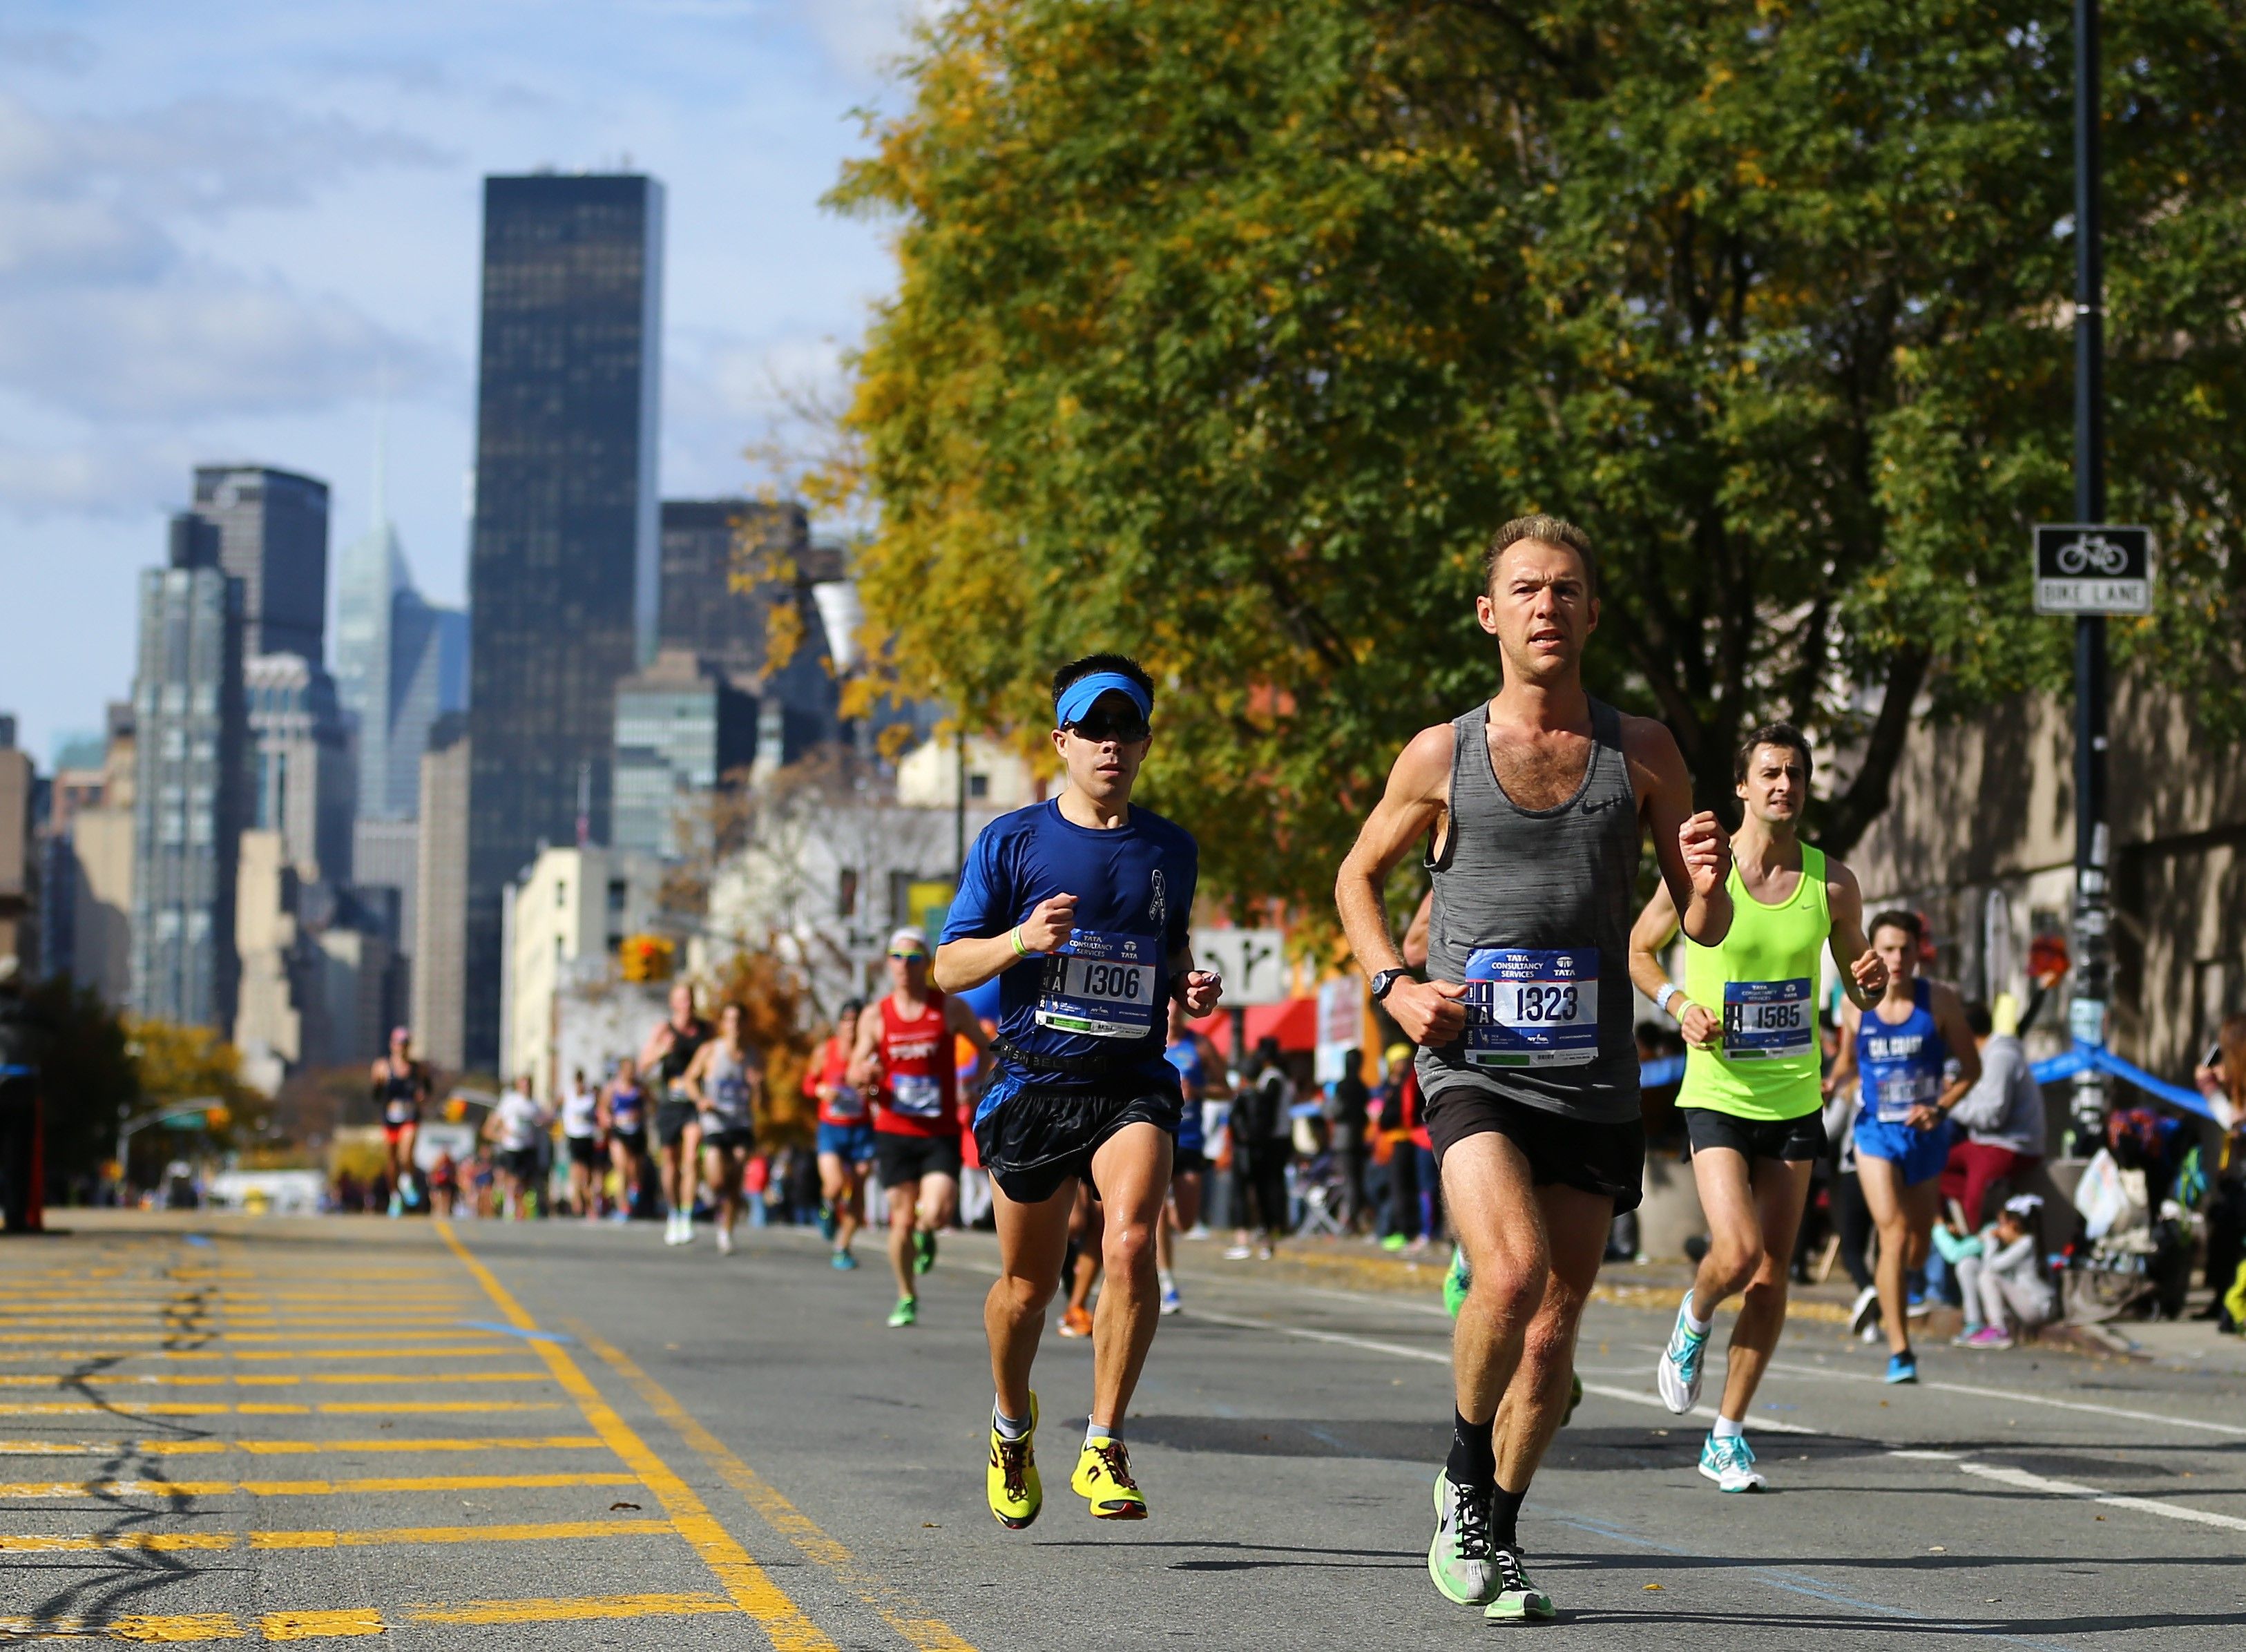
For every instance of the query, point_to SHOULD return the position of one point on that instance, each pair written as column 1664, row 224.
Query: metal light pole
column 2092, row 907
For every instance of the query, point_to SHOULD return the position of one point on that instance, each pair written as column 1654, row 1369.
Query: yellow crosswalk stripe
column 544, row 1531
column 316, row 1624
column 220, row 1408
column 290, row 1448
column 487, row 1348
column 745, row 1581
column 115, row 1379
column 576, row 1610
column 308, row 1488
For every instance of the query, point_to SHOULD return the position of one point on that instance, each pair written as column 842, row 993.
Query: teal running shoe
column 1457, row 1281
column 1517, row 1600
column 1677, row 1375
column 1903, row 1368
column 1461, row 1560
column 1729, row 1461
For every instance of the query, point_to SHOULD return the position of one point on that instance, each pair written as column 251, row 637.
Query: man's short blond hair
column 1547, row 530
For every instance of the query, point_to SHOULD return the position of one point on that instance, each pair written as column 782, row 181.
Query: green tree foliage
column 86, row 1079
column 1226, row 330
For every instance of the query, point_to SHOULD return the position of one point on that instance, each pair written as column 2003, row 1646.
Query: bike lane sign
column 2092, row 567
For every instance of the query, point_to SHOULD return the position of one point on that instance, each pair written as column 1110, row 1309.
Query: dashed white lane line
column 2027, row 1482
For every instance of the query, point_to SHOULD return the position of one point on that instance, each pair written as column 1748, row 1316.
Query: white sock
column 1094, row 1432
column 1009, row 1428
column 1163, row 1275
column 1725, row 1429
column 1697, row 1326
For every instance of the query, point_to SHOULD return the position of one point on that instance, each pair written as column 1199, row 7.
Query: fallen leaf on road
column 613, row 1507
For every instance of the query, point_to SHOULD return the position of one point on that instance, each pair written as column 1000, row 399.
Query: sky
column 243, row 230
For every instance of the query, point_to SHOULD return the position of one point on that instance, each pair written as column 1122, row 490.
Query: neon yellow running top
column 1763, row 980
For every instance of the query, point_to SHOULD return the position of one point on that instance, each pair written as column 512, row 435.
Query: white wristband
column 1670, row 992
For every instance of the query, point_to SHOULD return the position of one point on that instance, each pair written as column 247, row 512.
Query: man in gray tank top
column 1533, row 807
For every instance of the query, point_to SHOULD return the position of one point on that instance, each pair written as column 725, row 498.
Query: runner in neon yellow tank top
column 1752, row 1095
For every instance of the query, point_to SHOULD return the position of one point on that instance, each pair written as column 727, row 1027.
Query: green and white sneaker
column 1729, row 1461
column 907, row 1312
column 1517, row 1600
column 1677, row 1375
column 1459, row 1560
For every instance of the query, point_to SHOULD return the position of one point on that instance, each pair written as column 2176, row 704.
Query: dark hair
column 1546, row 530
column 851, row 1006
column 1772, row 734
column 1091, row 662
column 1897, row 918
column 1979, row 1018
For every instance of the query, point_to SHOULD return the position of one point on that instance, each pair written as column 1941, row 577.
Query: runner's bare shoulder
column 1423, row 769
column 1652, row 752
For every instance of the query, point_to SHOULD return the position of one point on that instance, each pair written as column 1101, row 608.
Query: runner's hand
column 1429, row 1011
column 1922, row 1117
column 1702, row 1029
column 1199, row 990
column 1707, row 851
column 1869, row 973
column 1048, row 928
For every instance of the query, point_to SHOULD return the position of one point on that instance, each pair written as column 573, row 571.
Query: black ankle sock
column 1504, row 1518
column 1473, row 1459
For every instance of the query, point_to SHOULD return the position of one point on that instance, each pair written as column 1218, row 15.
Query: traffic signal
column 217, row 1118
column 647, row 958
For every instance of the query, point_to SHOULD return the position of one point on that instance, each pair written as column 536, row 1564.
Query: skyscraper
column 440, row 930
column 187, row 802
column 562, row 570
column 682, row 728
column 401, row 662
column 272, row 535
column 301, row 780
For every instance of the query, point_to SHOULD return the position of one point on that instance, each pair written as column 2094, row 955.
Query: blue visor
column 1077, row 698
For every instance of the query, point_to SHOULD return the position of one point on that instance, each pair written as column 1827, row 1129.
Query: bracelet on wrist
column 1014, row 935
column 1670, row 992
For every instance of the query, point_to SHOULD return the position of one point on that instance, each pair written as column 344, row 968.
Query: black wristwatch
column 1385, row 982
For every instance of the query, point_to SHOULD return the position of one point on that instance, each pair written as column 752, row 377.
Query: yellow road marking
column 124, row 1337
column 584, row 1607
column 901, row 1614
column 220, row 1408
column 744, row 1580
column 317, row 1626
column 309, row 1488
column 290, row 1448
column 200, row 1626
column 521, row 1533
column 487, row 1349
column 115, row 1379
column 22, row 1543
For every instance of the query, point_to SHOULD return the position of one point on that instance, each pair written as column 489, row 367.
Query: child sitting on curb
column 2001, row 1276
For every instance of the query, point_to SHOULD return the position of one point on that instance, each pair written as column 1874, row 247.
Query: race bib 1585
column 1768, row 1020
column 1532, row 1009
column 1103, row 986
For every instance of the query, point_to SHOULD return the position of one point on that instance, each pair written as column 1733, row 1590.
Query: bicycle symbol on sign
column 2093, row 554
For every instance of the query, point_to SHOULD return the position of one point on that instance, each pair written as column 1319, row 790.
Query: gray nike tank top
column 1533, row 910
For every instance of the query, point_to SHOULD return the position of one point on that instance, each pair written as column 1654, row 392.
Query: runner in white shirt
column 514, row 1126
column 726, row 1081
column 580, row 1134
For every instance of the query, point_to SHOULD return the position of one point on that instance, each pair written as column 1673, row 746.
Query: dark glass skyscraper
column 561, row 569
column 272, row 536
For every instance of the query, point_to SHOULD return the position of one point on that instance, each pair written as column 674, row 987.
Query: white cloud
column 866, row 38
column 56, row 49
column 106, row 478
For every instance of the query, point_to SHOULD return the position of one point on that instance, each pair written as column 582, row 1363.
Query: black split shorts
column 672, row 1118
column 1035, row 1141
column 900, row 1158
column 1753, row 1138
column 1608, row 1160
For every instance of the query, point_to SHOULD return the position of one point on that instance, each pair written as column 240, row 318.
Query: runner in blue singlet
column 1081, row 908
column 1189, row 1165
column 1901, row 1049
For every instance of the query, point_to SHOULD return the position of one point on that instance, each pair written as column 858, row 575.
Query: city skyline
column 270, row 233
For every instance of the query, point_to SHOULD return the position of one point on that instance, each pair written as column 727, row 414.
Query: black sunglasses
column 1101, row 726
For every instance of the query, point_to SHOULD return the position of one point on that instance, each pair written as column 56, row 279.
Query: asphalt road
column 557, row 1436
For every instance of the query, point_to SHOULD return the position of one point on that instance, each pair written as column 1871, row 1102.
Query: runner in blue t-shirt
column 1081, row 906
column 1189, row 1168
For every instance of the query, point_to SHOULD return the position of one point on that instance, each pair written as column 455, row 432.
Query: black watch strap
column 1385, row 982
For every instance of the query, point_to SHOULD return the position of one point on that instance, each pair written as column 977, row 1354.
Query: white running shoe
column 1677, row 1375
column 1864, row 1315
column 1729, row 1460
column 725, row 1241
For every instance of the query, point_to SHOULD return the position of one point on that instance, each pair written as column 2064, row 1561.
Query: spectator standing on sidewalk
column 1345, row 1111
column 1261, row 1143
column 2002, row 1117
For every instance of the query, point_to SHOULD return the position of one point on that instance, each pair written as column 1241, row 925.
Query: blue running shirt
column 1901, row 1063
column 1185, row 1055
column 1109, row 988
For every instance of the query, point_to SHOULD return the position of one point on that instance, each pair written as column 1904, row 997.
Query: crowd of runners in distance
column 1513, row 1102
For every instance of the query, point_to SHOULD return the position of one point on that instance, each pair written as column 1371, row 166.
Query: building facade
column 562, row 562
column 1980, row 839
column 303, row 781
column 271, row 529
column 190, row 763
column 100, row 870
column 566, row 922
column 682, row 728
column 440, row 906
column 19, row 856
column 401, row 662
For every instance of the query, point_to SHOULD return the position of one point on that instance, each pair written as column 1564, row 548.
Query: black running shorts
column 901, row 1158
column 1753, row 1138
column 584, row 1150
column 739, row 1139
column 1035, row 1141
column 672, row 1118
column 1605, row 1159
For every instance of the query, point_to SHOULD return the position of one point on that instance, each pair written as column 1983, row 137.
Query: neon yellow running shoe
column 1103, row 1478
column 1012, row 1482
